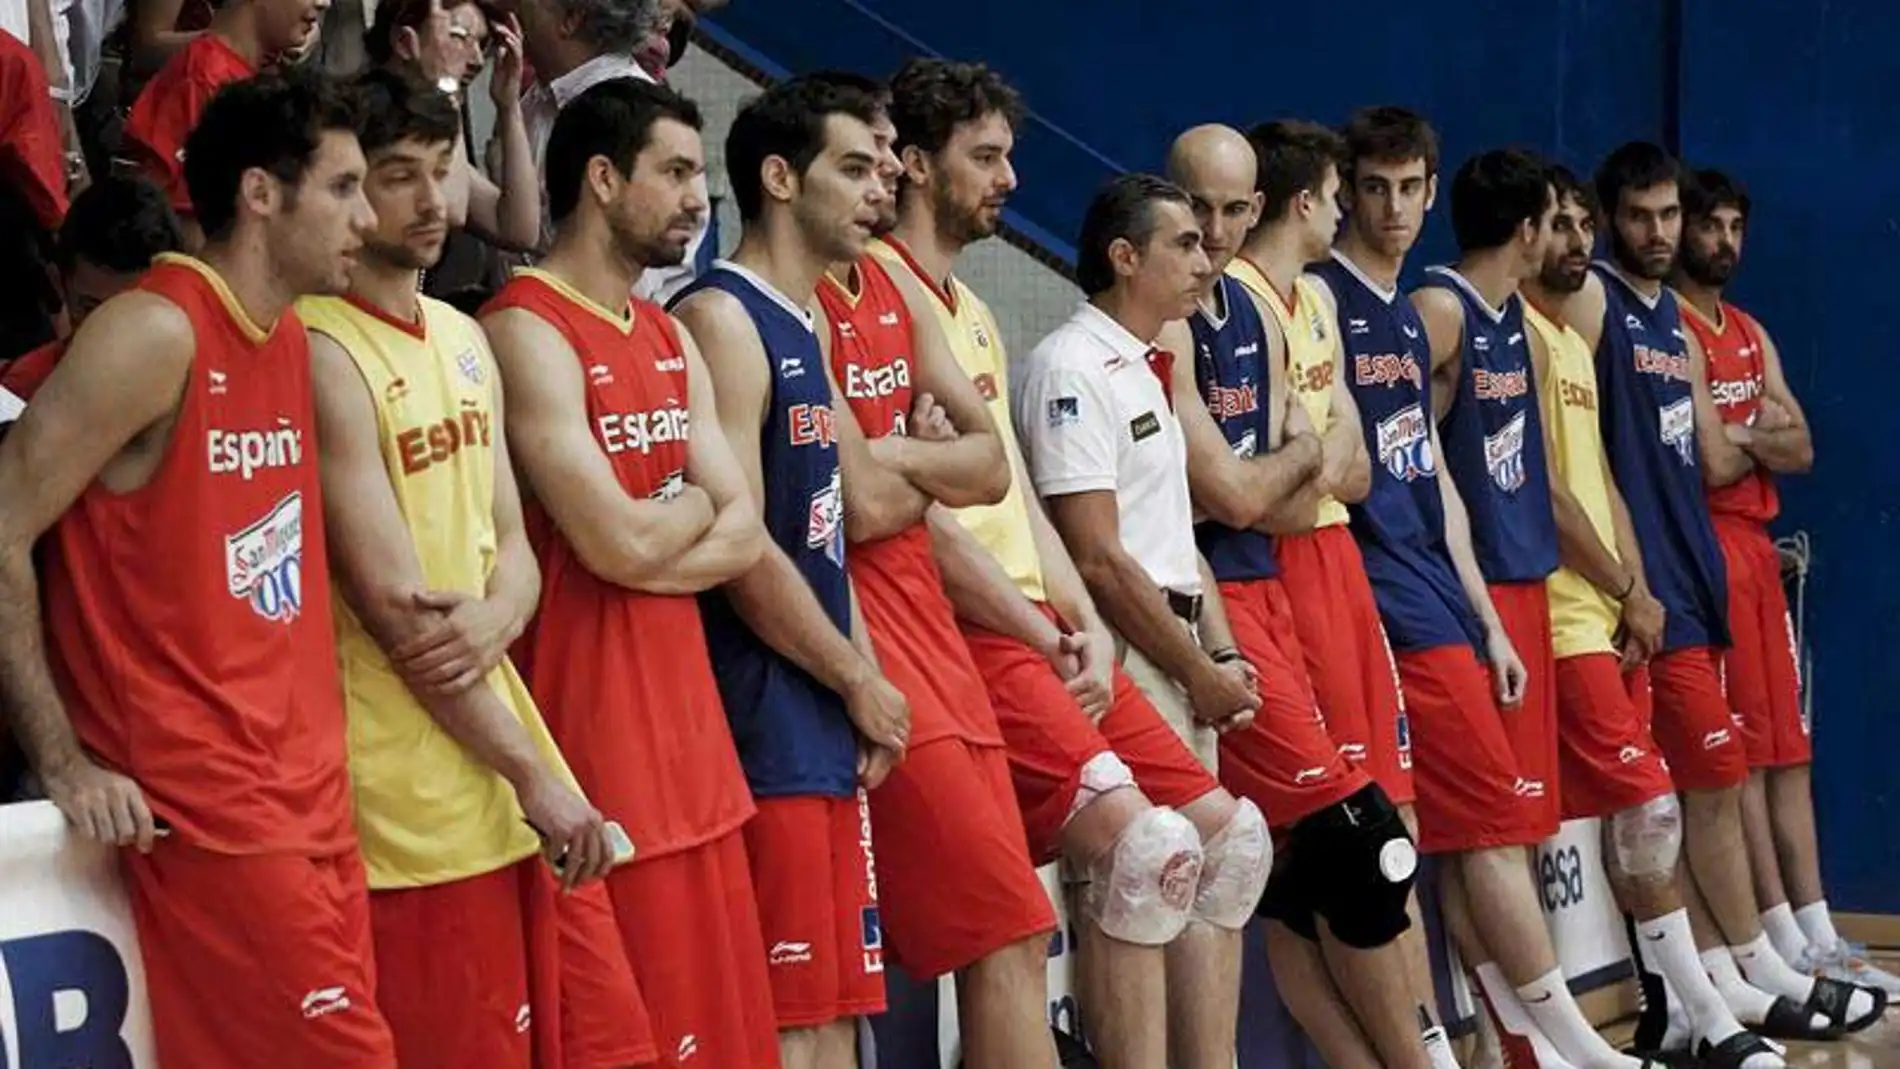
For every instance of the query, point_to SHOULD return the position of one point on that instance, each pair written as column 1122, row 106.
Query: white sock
column 1818, row 924
column 1438, row 1048
column 1547, row 999
column 1749, row 1003
column 1766, row 969
column 1783, row 931
column 1669, row 946
column 1515, row 1027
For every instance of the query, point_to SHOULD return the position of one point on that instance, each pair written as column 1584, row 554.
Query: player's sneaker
column 1848, row 962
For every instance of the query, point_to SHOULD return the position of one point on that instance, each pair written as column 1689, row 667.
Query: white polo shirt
column 1092, row 414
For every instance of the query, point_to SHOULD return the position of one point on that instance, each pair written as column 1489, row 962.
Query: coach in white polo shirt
column 1107, row 456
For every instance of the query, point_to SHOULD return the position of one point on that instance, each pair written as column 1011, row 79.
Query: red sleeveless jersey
column 623, row 677
column 190, row 618
column 1734, row 356
column 900, row 589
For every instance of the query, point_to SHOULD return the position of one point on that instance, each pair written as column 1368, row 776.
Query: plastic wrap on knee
column 1647, row 838
column 1140, row 889
column 1101, row 774
column 1364, row 863
column 1239, row 859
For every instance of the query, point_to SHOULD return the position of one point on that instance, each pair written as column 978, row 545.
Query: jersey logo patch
column 1678, row 428
column 1504, row 455
column 1405, row 445
column 470, row 365
column 1144, row 426
column 1064, row 411
column 263, row 563
column 985, row 386
column 824, row 525
column 1246, row 445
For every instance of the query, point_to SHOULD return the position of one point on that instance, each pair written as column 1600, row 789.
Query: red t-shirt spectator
column 169, row 107
column 32, row 156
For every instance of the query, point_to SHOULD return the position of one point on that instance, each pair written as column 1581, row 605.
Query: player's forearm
column 1787, row 451
column 1138, row 610
column 1628, row 550
column 1465, row 560
column 980, row 590
column 645, row 540
column 1298, row 514
column 778, row 605
column 1581, row 551
column 1068, row 595
column 1345, row 468
column 515, row 581
column 878, row 501
column 38, row 717
column 482, row 724
column 969, row 470
column 1242, row 492
column 731, row 547
column 518, row 209
column 1723, row 462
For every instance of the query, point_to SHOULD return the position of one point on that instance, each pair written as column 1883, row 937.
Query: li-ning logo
column 324, row 1001
column 787, row 952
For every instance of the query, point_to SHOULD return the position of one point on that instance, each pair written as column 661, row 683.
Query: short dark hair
column 396, row 105
column 1493, row 193
column 274, row 121
column 851, row 81
column 1708, row 189
column 1569, row 185
column 119, row 224
column 1124, row 208
column 611, row 27
column 1291, row 155
column 379, row 41
column 930, row 98
column 1389, row 134
column 614, row 119
column 1634, row 165
column 787, row 121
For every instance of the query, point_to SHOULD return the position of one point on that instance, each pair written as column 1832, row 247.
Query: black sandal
column 1735, row 1050
column 1790, row 1020
column 1830, row 997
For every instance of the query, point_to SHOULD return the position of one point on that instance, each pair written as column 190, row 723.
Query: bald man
column 1337, row 897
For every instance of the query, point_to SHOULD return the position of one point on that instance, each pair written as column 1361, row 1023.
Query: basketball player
column 242, row 34
column 1456, row 662
column 1351, row 858
column 1630, row 321
column 1096, row 769
column 116, row 228
column 1355, row 680
column 959, row 894
column 638, row 507
column 453, row 768
column 1756, row 431
column 1105, row 451
column 197, row 689
column 1603, row 624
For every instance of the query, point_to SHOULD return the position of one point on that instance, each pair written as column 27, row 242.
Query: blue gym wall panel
column 1796, row 100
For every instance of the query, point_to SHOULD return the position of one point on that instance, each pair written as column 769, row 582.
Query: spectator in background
column 241, row 35
column 117, row 227
column 31, row 150
column 445, row 45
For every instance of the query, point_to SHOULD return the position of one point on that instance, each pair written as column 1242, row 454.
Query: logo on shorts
column 1718, row 737
column 873, row 930
column 524, row 1019
column 1629, row 755
column 786, row 952
column 1528, row 788
column 1309, row 775
column 689, row 1046
column 324, row 1001
column 1405, row 739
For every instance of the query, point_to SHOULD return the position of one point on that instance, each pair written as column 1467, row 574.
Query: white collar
column 1379, row 291
column 1103, row 328
column 600, row 69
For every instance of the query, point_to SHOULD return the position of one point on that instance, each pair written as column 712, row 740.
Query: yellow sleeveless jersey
column 1311, row 344
column 1002, row 528
column 427, row 811
column 1583, row 619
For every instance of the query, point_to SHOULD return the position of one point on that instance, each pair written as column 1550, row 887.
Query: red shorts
column 478, row 974
column 1608, row 757
column 1286, row 763
column 1049, row 738
column 1764, row 677
column 1524, row 609
column 257, row 960
column 1348, row 660
column 812, row 860
column 1470, row 796
column 958, row 885
column 690, row 925
column 1693, row 725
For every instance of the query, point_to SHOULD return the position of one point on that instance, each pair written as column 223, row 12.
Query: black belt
column 1186, row 606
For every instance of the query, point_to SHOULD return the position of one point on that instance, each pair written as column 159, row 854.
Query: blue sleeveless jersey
column 1648, row 421
column 1493, row 438
column 1230, row 369
column 791, row 731
column 1400, row 525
